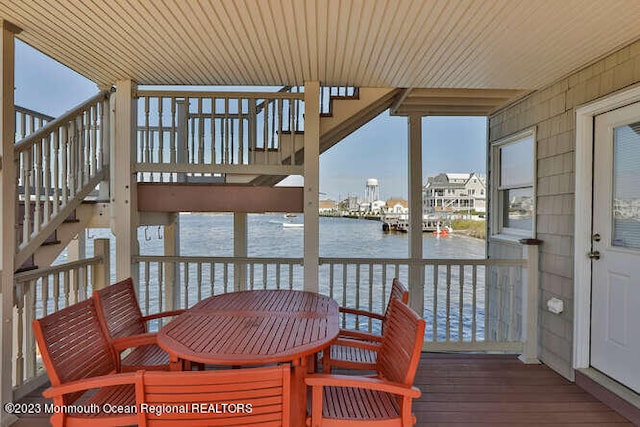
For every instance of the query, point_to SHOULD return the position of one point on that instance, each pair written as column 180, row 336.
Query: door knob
column 596, row 237
column 594, row 254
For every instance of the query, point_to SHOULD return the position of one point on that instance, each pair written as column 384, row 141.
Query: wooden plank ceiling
column 509, row 45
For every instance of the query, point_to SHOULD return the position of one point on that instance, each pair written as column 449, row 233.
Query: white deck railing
column 460, row 313
column 28, row 122
column 41, row 292
column 57, row 166
column 186, row 134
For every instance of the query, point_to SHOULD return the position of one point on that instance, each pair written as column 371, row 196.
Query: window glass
column 518, row 208
column 516, row 163
column 626, row 187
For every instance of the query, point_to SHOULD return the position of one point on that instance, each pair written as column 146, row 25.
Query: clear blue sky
column 377, row 150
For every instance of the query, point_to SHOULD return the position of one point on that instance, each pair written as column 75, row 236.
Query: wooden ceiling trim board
column 523, row 59
column 340, row 49
column 297, row 15
column 462, row 26
column 322, row 22
column 225, row 43
column 245, row 38
column 293, row 37
column 331, row 41
column 164, row 19
column 268, row 21
column 447, row 15
column 126, row 14
column 391, row 47
column 356, row 18
column 256, row 39
column 378, row 21
column 103, row 22
column 187, row 36
column 223, row 58
column 311, row 17
column 409, row 71
column 216, row 58
column 466, row 50
column 386, row 37
column 486, row 49
column 35, row 26
column 282, row 33
column 396, row 65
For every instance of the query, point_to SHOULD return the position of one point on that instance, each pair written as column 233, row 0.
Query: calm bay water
column 212, row 235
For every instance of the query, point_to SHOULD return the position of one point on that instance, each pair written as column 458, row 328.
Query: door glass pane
column 626, row 186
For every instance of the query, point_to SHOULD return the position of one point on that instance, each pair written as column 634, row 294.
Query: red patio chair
column 123, row 321
column 260, row 397
column 383, row 400
column 78, row 356
column 357, row 349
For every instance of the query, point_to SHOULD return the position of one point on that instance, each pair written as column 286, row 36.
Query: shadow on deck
column 484, row 390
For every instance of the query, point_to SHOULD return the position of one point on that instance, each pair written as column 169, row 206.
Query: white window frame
column 497, row 224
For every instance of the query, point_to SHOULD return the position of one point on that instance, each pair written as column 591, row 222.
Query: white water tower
column 372, row 190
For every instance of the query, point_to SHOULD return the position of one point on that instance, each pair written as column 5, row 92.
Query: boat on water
column 290, row 215
column 431, row 223
column 292, row 225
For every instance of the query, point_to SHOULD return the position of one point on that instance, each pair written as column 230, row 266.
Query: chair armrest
column 325, row 380
column 163, row 314
column 361, row 313
column 89, row 383
column 362, row 336
column 123, row 343
column 357, row 344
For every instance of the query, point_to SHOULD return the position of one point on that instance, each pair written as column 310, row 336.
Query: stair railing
column 28, row 121
column 199, row 134
column 57, row 166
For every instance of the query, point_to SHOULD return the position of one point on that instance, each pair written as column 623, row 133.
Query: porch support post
column 416, row 270
column 124, row 214
column 311, row 185
column 240, row 238
column 77, row 250
column 171, row 273
column 8, row 199
column 101, row 273
column 530, row 302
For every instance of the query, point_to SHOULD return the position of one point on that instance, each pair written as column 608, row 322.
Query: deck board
column 483, row 391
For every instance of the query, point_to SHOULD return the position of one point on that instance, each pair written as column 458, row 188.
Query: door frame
column 583, row 217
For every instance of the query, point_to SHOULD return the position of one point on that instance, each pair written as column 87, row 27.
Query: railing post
column 416, row 269
column 181, row 135
column 101, row 273
column 8, row 197
column 530, row 303
column 171, row 272
column 106, row 108
column 240, row 250
column 124, row 214
column 311, row 185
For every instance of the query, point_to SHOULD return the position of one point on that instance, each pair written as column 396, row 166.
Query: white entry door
column 615, row 301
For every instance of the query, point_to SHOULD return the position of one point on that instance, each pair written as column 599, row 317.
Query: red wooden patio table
column 255, row 328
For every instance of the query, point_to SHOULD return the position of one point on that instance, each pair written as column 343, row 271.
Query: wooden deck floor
column 487, row 390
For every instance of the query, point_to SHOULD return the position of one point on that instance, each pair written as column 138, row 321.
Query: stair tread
column 29, row 268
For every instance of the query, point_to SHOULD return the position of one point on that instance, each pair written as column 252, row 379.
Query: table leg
column 299, row 393
column 175, row 363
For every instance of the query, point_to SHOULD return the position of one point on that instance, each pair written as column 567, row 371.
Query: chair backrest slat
column 401, row 344
column 399, row 291
column 73, row 345
column 266, row 390
column 119, row 310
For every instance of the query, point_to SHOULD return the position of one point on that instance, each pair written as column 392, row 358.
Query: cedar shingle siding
column 551, row 110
